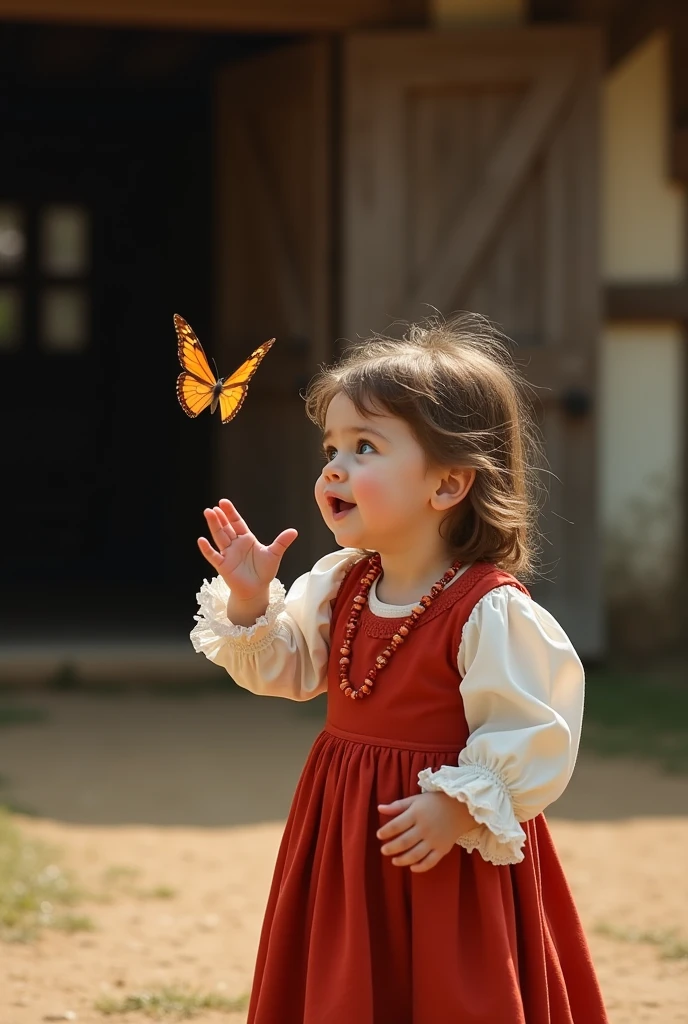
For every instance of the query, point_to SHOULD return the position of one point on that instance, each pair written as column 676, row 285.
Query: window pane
column 64, row 240
column 12, row 237
column 10, row 318
column 64, row 319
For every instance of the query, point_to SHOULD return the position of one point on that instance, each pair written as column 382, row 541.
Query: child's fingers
column 218, row 523
column 222, row 536
column 282, row 541
column 213, row 526
column 428, row 862
column 209, row 552
column 228, row 533
column 408, row 839
column 397, row 806
column 237, row 523
column 221, row 517
column 413, row 856
column 396, row 826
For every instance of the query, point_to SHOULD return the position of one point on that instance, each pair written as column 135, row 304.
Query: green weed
column 638, row 715
column 33, row 886
column 177, row 1003
column 669, row 944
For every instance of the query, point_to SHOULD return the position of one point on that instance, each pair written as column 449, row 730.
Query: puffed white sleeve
column 284, row 653
column 522, row 690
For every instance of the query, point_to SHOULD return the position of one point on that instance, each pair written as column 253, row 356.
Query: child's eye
column 362, row 447
column 365, row 444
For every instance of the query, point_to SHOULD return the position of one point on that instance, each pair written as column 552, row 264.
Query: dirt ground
column 172, row 808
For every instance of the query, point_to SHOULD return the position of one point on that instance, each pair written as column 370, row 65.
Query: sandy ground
column 190, row 794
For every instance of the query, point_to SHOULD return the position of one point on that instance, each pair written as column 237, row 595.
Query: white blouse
column 522, row 690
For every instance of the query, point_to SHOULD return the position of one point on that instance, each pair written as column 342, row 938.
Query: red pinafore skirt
column 348, row 937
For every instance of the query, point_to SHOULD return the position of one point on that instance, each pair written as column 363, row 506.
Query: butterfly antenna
column 217, row 372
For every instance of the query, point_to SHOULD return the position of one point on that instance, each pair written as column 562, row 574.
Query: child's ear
column 453, row 487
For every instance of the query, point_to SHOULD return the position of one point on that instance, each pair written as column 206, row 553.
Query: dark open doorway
column 106, row 230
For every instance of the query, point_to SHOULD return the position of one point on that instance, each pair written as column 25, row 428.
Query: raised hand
column 246, row 565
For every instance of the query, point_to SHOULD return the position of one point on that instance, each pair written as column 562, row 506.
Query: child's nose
column 334, row 470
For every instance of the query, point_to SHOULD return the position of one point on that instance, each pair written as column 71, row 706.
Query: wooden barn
column 316, row 171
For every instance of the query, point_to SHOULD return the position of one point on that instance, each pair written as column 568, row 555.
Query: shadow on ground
column 212, row 759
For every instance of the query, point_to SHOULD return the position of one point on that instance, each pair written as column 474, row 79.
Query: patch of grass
column 33, row 886
column 72, row 923
column 65, row 677
column 120, row 874
column 675, row 949
column 158, row 892
column 11, row 714
column 669, row 943
column 117, row 880
column 638, row 715
column 121, row 878
column 16, row 714
column 171, row 1002
column 9, row 804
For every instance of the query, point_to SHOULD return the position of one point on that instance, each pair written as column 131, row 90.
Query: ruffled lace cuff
column 499, row 838
column 214, row 630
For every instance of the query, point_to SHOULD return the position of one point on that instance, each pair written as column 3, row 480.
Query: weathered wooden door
column 274, row 261
column 470, row 182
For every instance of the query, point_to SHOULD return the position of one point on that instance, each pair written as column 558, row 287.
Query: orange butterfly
column 198, row 387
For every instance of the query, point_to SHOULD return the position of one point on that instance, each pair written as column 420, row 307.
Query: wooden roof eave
column 269, row 16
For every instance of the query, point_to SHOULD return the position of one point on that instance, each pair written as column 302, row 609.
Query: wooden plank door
column 274, row 265
column 470, row 177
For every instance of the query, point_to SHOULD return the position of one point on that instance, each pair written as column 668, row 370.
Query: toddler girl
column 416, row 882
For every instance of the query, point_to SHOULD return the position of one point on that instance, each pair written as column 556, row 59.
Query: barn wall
column 643, row 228
column 642, row 215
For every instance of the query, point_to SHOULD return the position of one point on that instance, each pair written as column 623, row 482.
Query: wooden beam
column 678, row 77
column 683, row 482
column 626, row 22
column 646, row 301
column 551, row 10
column 679, row 154
column 632, row 23
column 227, row 15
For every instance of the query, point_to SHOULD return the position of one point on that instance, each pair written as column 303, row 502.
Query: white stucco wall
column 642, row 210
column 642, row 449
column 641, row 393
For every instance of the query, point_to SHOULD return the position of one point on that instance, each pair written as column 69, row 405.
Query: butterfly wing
column 191, row 354
column 195, row 385
column 194, row 395
column 235, row 387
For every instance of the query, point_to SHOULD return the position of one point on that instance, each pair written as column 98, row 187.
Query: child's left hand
column 424, row 830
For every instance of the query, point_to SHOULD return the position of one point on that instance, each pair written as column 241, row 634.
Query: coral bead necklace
column 383, row 659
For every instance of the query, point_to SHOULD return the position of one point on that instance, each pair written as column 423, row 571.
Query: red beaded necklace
column 359, row 603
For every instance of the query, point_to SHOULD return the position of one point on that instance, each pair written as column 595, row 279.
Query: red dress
column 348, row 937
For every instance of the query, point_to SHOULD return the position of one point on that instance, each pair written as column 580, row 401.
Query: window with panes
column 45, row 266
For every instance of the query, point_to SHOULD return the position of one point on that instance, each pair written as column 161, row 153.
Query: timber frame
column 222, row 15
column 626, row 23
column 647, row 301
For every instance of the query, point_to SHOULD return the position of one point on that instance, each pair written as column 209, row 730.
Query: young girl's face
column 375, row 488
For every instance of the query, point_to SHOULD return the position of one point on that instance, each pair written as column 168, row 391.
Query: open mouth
column 340, row 507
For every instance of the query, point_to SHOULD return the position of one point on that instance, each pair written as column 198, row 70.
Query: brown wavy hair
column 454, row 382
